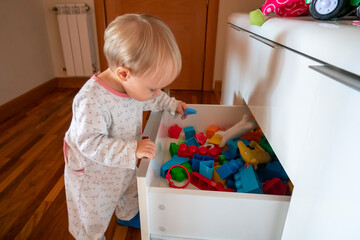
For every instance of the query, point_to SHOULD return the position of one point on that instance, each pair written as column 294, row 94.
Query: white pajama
column 99, row 148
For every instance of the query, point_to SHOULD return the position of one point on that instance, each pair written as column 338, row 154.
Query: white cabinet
column 300, row 79
column 195, row 214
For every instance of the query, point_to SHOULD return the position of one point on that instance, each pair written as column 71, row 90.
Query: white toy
column 245, row 125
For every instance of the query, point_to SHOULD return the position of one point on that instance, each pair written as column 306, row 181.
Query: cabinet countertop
column 335, row 43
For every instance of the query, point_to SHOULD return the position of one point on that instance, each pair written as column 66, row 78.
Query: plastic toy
column 189, row 111
column 274, row 170
column 203, row 183
column 329, row 9
column 266, row 146
column 211, row 131
column 189, row 132
column 176, row 160
column 222, row 159
column 275, row 187
column 284, row 8
column 174, row 131
column 230, row 168
column 253, row 156
column 240, row 128
column 197, row 158
column 173, row 149
column 252, row 136
column 168, row 177
column 192, row 141
column 216, row 176
column 201, row 138
column 233, row 150
column 206, row 168
column 215, row 139
column 189, row 151
column 247, row 181
column 179, row 174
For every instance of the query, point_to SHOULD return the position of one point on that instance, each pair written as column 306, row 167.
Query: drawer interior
column 188, row 212
column 219, row 115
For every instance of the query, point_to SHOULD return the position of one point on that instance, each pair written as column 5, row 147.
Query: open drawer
column 168, row 213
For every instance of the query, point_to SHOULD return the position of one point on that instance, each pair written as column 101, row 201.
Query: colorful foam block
column 189, row 111
column 173, row 161
column 173, row 149
column 215, row 139
column 275, row 186
column 197, row 158
column 246, row 181
column 233, row 150
column 189, row 132
column 230, row 168
column 206, row 168
column 192, row 141
column 216, row 176
column 201, row 138
column 204, row 183
column 179, row 174
column 211, row 131
column 174, row 131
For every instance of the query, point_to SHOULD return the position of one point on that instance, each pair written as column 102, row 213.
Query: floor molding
column 18, row 104
column 71, row 82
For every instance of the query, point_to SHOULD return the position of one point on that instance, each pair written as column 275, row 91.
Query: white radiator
column 76, row 39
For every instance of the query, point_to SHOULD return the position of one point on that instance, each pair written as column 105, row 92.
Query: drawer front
column 283, row 105
column 279, row 88
column 326, row 200
column 216, row 215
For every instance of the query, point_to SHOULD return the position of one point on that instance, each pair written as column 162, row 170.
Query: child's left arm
column 164, row 102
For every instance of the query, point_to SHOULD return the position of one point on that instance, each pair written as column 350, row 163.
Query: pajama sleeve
column 162, row 102
column 92, row 120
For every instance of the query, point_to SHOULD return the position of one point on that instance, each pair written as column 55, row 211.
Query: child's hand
column 180, row 109
column 146, row 148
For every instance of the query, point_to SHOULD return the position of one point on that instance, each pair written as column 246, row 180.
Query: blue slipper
column 134, row 222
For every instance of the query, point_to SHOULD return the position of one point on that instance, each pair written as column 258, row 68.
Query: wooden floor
column 32, row 196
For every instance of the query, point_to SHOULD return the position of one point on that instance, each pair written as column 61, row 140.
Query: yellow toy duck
column 253, row 156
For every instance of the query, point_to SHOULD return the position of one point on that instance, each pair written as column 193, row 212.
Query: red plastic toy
column 174, row 131
column 188, row 152
column 275, row 186
column 201, row 138
column 204, row 183
column 253, row 136
column 168, row 177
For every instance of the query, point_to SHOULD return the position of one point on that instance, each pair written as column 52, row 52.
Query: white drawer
column 279, row 88
column 193, row 213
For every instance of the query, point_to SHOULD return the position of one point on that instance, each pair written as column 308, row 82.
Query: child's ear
column 122, row 73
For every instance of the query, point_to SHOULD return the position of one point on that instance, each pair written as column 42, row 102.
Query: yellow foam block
column 216, row 139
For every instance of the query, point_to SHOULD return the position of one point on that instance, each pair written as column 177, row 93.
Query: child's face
column 147, row 86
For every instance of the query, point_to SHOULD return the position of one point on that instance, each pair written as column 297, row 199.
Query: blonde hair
column 141, row 43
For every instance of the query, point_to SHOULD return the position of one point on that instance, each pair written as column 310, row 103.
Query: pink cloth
column 285, row 8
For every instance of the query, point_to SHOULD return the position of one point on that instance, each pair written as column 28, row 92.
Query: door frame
column 210, row 39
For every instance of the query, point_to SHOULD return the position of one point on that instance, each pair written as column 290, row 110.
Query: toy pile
column 238, row 159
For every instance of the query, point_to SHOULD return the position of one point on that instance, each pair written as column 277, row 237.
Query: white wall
column 54, row 34
column 30, row 47
column 226, row 7
column 25, row 58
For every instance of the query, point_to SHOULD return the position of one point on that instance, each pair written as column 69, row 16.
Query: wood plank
column 41, row 210
column 210, row 44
